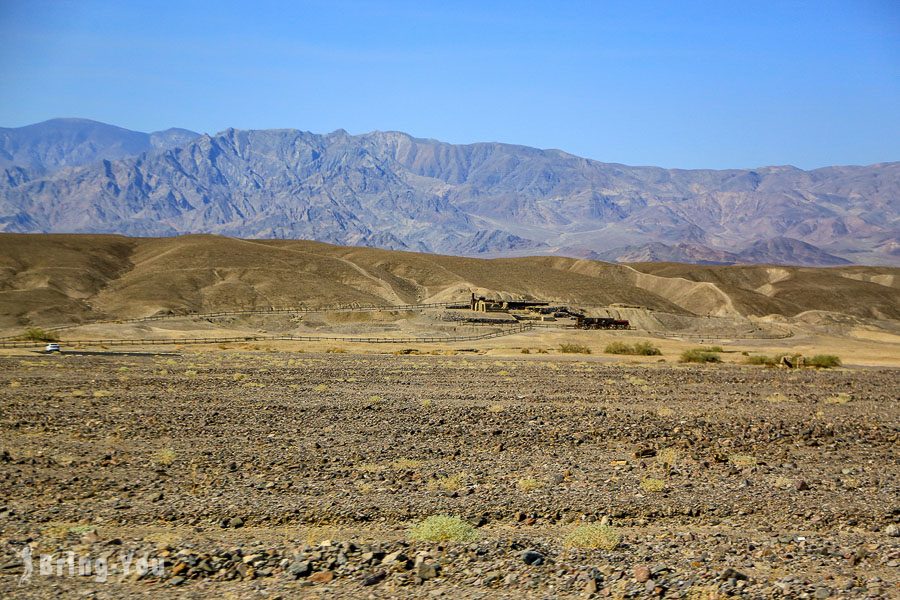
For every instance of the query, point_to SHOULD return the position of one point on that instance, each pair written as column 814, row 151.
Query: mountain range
column 394, row 191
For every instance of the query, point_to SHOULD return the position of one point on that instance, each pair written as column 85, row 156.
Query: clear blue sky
column 678, row 84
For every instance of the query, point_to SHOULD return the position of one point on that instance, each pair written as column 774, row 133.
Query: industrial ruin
column 538, row 310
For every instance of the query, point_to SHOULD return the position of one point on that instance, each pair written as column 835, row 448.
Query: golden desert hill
column 53, row 279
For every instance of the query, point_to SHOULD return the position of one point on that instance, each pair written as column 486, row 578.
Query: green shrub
column 36, row 334
column 442, row 528
column 594, row 536
column 761, row 359
column 574, row 349
column 699, row 355
column 618, row 348
column 639, row 348
column 823, row 361
column 646, row 349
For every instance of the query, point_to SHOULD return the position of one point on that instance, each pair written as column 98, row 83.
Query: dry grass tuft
column 165, row 457
column 594, row 536
column 668, row 457
column 450, row 483
column 574, row 349
column 653, row 485
column 443, row 528
column 842, row 398
column 530, row 484
column 406, row 464
column 742, row 461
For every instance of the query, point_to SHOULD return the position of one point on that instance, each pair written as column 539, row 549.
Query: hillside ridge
column 52, row 279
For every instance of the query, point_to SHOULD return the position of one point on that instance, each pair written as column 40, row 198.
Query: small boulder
column 641, row 573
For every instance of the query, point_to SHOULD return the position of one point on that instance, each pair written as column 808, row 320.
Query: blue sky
column 678, row 84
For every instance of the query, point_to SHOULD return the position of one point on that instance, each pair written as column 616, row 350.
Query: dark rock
column 375, row 578
column 427, row 570
column 533, row 557
column 730, row 573
column 298, row 569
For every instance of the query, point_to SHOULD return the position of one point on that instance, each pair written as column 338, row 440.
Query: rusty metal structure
column 482, row 304
column 583, row 322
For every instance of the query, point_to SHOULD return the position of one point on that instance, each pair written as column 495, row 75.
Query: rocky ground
column 267, row 474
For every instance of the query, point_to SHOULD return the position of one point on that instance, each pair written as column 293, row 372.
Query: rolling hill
column 55, row 279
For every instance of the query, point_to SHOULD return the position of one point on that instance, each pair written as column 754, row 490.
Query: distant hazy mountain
column 391, row 190
column 47, row 146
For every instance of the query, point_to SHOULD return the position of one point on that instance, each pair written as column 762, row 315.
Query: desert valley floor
column 284, row 474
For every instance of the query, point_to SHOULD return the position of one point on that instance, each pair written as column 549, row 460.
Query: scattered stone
column 427, row 570
column 298, row 569
column 892, row 530
column 641, row 573
column 533, row 557
column 730, row 573
column 375, row 578
column 322, row 577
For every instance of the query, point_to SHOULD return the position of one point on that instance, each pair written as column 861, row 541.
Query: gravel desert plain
column 537, row 463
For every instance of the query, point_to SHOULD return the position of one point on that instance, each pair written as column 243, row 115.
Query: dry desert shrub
column 36, row 334
column 496, row 408
column 594, row 536
column 823, row 361
column 165, row 457
column 443, row 528
column 450, row 483
column 668, row 457
column 637, row 349
column 742, row 461
column 426, row 403
column 700, row 355
column 841, row 398
column 574, row 349
column 530, row 484
column 665, row 411
column 406, row 464
column 653, row 485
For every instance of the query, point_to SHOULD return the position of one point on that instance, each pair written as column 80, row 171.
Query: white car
column 52, row 348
